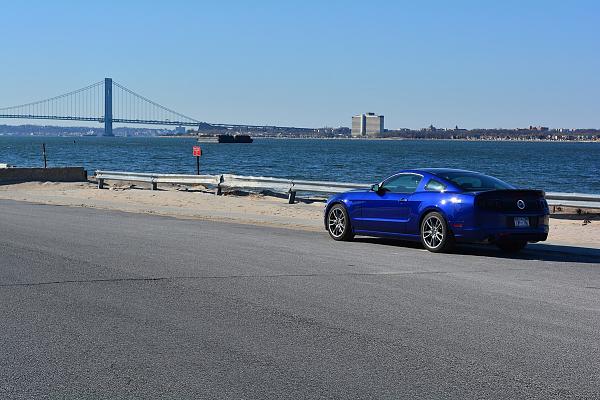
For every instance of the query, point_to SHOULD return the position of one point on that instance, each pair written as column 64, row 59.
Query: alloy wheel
column 433, row 232
column 336, row 222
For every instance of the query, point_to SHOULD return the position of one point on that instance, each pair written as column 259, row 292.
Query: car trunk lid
column 511, row 200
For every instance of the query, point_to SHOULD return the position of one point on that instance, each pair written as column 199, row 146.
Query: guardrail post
column 218, row 191
column 291, row 197
column 100, row 183
column 154, row 185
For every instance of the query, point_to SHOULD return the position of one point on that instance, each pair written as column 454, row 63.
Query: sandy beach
column 255, row 209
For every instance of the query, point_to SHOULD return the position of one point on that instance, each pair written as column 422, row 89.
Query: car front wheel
column 338, row 223
column 435, row 234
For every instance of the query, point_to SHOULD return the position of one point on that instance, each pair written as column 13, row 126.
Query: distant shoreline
column 393, row 139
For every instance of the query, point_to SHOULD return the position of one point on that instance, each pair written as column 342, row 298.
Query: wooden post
column 44, row 153
column 291, row 197
column 218, row 191
column 100, row 183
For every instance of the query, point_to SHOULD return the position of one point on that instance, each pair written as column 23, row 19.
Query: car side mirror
column 375, row 188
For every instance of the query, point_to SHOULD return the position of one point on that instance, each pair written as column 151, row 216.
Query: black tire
column 338, row 223
column 435, row 235
column 511, row 246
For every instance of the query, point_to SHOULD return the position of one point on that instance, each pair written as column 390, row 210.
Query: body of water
column 552, row 166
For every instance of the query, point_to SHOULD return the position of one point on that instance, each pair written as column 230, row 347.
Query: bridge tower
column 108, row 117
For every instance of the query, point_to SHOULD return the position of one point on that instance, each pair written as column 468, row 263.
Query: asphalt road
column 99, row 304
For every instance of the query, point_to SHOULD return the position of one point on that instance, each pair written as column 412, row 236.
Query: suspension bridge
column 106, row 102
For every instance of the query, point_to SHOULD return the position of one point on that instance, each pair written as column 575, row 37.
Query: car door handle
column 404, row 199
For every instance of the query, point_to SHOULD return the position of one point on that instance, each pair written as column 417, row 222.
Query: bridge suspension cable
column 130, row 107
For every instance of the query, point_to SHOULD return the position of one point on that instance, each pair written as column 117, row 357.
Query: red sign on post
column 197, row 152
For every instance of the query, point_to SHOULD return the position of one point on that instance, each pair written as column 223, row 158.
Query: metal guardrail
column 577, row 200
column 155, row 179
column 256, row 182
column 227, row 181
column 292, row 186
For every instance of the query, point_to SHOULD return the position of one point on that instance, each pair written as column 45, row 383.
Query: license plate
column 521, row 222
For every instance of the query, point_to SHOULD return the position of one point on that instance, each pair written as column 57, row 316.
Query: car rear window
column 471, row 182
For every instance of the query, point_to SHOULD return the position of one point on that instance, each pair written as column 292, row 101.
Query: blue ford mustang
column 440, row 207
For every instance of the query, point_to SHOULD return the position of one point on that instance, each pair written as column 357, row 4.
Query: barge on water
column 226, row 139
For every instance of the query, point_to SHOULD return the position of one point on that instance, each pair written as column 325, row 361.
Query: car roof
column 436, row 171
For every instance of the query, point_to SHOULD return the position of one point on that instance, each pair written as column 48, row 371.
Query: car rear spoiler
column 511, row 193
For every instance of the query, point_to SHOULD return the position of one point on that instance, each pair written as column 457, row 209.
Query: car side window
column 404, row 183
column 435, row 186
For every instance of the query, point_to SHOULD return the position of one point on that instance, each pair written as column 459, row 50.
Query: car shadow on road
column 534, row 251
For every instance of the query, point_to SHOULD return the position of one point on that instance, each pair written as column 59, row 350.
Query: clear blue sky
column 316, row 63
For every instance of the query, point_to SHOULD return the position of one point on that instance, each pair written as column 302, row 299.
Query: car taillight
column 489, row 204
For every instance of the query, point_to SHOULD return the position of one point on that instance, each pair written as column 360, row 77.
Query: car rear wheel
column 435, row 235
column 338, row 223
column 511, row 246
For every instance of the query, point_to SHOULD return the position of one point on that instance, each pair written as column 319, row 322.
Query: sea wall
column 63, row 174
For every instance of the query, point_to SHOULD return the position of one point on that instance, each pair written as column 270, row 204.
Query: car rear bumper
column 487, row 236
column 537, row 232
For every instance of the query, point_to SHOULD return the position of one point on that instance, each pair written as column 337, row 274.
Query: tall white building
column 367, row 124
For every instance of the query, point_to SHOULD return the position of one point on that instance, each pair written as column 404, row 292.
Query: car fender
column 333, row 201
column 432, row 208
column 345, row 202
